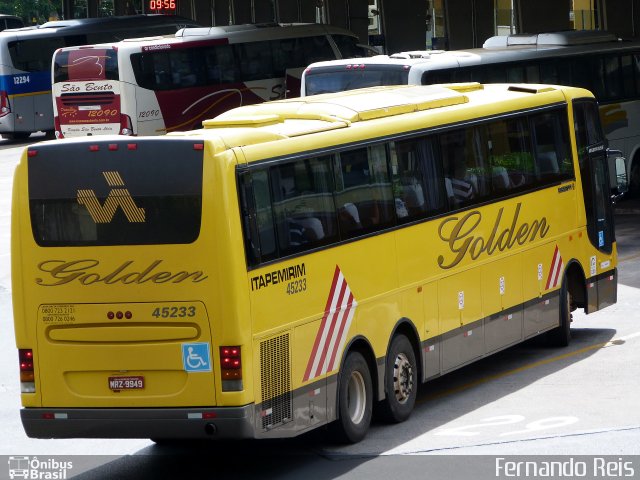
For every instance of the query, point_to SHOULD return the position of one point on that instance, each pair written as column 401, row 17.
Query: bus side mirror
column 621, row 175
column 620, row 167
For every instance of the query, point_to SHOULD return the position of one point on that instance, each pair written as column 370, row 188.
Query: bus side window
column 255, row 60
column 510, row 157
column 363, row 191
column 264, row 215
column 220, row 64
column 417, row 179
column 551, row 139
column 315, row 49
column 347, row 45
column 464, row 157
column 303, row 204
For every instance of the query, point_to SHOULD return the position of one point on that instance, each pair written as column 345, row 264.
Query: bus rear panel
column 108, row 226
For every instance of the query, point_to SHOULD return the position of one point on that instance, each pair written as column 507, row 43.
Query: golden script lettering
column 84, row 272
column 458, row 233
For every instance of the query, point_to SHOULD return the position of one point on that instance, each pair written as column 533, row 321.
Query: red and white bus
column 152, row 86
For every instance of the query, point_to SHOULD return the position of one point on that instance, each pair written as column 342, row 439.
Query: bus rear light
column 132, row 146
column 32, row 153
column 126, row 127
column 94, row 148
column 54, row 416
column 27, row 374
column 231, row 368
column 113, row 147
column 5, row 108
column 198, row 146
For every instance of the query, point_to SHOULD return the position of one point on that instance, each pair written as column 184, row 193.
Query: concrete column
column 263, row 11
column 288, row 11
column 359, row 19
column 220, row 12
column 468, row 24
column 203, row 13
column 621, row 17
column 542, row 15
column 403, row 25
column 338, row 13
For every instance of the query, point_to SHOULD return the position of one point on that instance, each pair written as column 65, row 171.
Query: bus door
column 594, row 170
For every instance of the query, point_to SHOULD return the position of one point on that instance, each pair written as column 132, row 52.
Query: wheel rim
column 402, row 378
column 356, row 397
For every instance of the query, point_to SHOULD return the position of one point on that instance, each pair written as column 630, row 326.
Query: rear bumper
column 157, row 423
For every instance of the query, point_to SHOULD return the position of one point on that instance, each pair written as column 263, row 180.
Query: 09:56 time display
column 162, row 4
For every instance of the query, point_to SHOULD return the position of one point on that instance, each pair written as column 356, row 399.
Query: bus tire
column 400, row 381
column 561, row 335
column 355, row 400
column 16, row 135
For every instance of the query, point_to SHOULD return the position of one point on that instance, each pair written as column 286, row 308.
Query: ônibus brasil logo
column 35, row 468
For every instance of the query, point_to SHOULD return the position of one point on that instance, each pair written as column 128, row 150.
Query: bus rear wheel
column 400, row 381
column 355, row 400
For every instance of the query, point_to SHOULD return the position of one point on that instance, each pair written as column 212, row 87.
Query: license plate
column 126, row 383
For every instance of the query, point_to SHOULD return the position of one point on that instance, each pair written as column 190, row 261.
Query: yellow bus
column 299, row 263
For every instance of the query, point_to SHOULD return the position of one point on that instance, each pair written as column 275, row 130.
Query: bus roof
column 568, row 38
column 495, row 50
column 86, row 25
column 236, row 33
column 230, row 30
column 278, row 120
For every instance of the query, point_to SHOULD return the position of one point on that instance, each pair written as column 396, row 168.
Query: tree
column 31, row 11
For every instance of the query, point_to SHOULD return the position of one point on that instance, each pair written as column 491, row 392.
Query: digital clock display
column 162, row 6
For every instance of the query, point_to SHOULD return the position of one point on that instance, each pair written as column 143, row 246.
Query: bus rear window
column 85, row 64
column 148, row 192
column 320, row 81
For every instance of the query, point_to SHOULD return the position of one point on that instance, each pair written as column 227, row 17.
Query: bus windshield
column 86, row 64
column 354, row 76
column 166, row 211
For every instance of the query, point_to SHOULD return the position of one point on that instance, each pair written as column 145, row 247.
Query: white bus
column 151, row 86
column 595, row 60
column 25, row 62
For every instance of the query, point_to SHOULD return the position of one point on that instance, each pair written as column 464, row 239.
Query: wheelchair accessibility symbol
column 195, row 357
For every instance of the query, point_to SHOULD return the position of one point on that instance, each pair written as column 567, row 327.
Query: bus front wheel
column 400, row 381
column 355, row 400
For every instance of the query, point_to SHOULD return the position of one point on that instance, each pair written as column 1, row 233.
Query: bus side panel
column 541, row 308
column 143, row 108
column 460, row 302
column 431, row 346
column 21, row 117
column 329, row 302
column 43, row 112
column 502, row 302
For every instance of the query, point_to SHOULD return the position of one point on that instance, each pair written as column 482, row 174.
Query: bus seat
column 349, row 218
column 500, row 178
column 548, row 163
column 413, row 196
